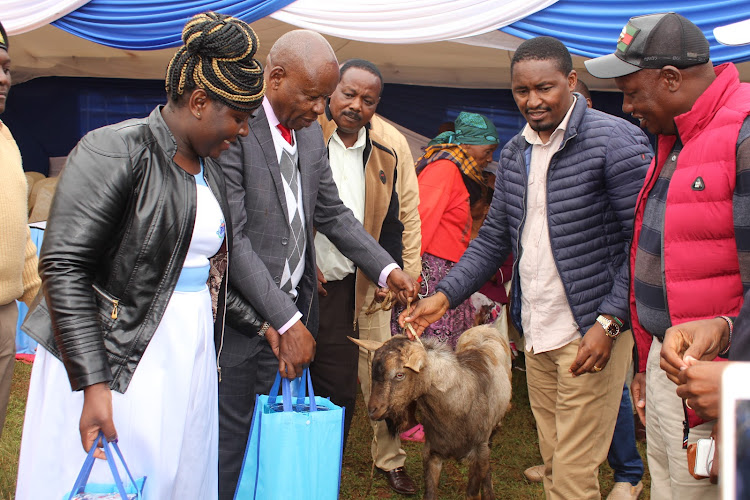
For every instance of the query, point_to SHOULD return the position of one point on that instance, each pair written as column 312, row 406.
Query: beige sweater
column 19, row 277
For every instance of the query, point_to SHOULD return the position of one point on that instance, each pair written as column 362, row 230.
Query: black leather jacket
column 114, row 247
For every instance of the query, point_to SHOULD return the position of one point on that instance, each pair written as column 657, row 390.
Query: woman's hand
column 97, row 416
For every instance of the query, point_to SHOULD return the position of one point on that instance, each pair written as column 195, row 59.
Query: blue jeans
column 623, row 455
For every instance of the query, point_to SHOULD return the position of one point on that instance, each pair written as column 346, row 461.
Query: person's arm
column 88, row 208
column 627, row 159
column 30, row 276
column 248, row 273
column 334, row 219
column 485, row 253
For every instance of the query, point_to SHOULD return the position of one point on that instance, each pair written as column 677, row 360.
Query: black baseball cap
column 652, row 42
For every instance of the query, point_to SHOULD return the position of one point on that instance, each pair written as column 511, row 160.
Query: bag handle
column 286, row 391
column 88, row 464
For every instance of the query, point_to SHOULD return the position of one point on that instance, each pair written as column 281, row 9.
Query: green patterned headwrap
column 472, row 129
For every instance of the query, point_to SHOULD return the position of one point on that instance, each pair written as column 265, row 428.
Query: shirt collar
column 532, row 136
column 278, row 139
column 358, row 144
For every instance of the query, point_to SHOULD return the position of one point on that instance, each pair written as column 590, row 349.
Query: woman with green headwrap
column 451, row 187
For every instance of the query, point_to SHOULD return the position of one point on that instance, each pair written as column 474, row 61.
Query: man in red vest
column 690, row 253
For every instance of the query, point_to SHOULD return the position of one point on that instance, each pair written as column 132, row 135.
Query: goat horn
column 370, row 345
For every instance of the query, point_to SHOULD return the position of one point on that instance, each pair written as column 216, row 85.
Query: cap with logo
column 652, row 42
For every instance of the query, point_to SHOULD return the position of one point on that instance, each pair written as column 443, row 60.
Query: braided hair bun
column 217, row 56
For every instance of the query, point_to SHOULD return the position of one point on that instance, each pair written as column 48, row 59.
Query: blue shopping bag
column 294, row 450
column 82, row 490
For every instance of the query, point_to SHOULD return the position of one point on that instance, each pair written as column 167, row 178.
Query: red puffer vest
column 701, row 266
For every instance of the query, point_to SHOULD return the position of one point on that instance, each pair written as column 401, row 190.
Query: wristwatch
column 611, row 326
column 263, row 329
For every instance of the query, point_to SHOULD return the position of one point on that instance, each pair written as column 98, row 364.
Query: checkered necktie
column 290, row 172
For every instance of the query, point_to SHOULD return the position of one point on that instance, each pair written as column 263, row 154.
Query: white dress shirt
column 348, row 168
column 547, row 320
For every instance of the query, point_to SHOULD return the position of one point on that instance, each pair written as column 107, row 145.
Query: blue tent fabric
column 590, row 28
column 153, row 24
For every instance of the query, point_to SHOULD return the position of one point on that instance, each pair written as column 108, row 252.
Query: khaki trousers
column 8, row 321
column 575, row 416
column 667, row 461
column 386, row 450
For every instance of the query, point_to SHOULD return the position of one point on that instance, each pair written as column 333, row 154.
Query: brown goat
column 462, row 397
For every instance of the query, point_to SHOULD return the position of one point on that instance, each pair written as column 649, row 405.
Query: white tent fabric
column 734, row 34
column 406, row 21
column 20, row 16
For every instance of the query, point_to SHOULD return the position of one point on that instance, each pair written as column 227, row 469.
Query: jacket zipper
column 223, row 317
column 226, row 286
column 549, row 233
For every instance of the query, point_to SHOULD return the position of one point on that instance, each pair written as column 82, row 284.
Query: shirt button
column 276, row 279
column 674, row 157
column 284, row 241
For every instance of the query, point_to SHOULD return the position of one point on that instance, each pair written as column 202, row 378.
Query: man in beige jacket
column 19, row 278
column 374, row 172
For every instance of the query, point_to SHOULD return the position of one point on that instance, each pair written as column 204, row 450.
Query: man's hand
column 273, row 338
column 700, row 386
column 403, row 286
column 702, row 339
column 593, row 352
column 321, row 281
column 296, row 348
column 424, row 312
column 638, row 388
column 96, row 416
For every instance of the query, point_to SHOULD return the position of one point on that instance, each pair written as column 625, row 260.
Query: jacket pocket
column 109, row 308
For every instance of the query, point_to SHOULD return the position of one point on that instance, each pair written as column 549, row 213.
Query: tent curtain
column 153, row 24
column 157, row 24
column 406, row 21
column 590, row 28
column 20, row 16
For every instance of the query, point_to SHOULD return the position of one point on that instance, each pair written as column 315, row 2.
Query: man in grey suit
column 280, row 188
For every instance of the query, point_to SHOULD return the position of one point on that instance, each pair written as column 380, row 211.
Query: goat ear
column 370, row 345
column 415, row 360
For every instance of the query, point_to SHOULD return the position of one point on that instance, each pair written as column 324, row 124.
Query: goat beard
column 397, row 422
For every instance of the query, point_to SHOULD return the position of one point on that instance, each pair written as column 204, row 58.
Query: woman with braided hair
column 126, row 325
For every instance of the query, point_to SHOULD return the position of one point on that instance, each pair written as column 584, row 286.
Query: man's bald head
column 301, row 73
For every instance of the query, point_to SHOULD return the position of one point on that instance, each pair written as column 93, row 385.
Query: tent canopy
column 453, row 43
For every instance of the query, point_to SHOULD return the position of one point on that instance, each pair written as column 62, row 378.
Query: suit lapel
column 262, row 131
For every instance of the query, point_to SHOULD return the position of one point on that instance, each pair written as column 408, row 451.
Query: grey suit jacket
column 261, row 231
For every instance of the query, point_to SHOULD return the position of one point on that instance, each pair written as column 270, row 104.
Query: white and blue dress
column 167, row 420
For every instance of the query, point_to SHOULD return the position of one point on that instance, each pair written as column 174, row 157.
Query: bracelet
column 729, row 321
column 263, row 329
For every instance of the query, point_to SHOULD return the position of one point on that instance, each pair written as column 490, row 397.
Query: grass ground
column 514, row 450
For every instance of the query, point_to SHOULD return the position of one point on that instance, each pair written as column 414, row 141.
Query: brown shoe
column 399, row 481
column 535, row 474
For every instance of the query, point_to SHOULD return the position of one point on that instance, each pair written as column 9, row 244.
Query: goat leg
column 432, row 464
column 479, row 474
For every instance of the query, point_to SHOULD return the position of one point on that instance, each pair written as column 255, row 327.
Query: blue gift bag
column 294, row 450
column 83, row 491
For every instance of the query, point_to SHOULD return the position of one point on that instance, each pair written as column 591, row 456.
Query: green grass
column 10, row 442
column 514, row 449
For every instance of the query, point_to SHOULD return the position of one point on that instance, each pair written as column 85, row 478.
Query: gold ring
column 597, row 369
column 688, row 405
